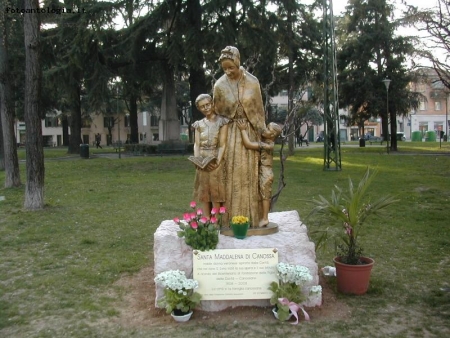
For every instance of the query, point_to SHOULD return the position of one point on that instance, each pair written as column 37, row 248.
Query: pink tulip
column 176, row 220
column 187, row 217
column 194, row 225
column 193, row 215
column 213, row 211
column 199, row 212
column 193, row 204
column 222, row 210
column 204, row 220
column 213, row 220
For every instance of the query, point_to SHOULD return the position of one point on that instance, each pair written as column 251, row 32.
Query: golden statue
column 265, row 169
column 209, row 150
column 237, row 96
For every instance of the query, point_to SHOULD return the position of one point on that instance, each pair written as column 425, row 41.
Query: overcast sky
column 339, row 5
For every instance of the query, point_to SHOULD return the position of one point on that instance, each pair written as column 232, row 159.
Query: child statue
column 209, row 150
column 265, row 170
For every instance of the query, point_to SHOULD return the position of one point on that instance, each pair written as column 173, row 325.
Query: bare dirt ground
column 137, row 308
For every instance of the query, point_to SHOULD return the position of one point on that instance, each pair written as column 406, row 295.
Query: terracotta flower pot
column 353, row 279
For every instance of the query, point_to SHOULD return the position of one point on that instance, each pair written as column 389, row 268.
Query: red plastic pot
column 353, row 279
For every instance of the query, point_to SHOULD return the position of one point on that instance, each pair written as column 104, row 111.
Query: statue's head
column 272, row 131
column 231, row 53
column 202, row 97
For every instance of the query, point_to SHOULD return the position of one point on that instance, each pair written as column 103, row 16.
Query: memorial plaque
column 226, row 274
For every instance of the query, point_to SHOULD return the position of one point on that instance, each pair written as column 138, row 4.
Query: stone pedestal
column 291, row 240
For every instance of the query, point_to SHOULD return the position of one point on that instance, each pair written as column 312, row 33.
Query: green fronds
column 346, row 213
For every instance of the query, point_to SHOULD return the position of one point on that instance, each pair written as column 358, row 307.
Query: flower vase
column 181, row 318
column 275, row 313
column 240, row 230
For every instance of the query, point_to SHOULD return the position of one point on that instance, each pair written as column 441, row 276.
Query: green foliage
column 200, row 231
column 370, row 51
column 349, row 211
column 290, row 291
column 204, row 238
column 175, row 300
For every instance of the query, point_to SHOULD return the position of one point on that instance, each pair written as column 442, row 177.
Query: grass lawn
column 59, row 266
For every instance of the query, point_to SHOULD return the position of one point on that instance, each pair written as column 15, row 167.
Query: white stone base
column 292, row 242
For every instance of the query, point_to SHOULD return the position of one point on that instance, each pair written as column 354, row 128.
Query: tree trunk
column 2, row 151
column 197, row 81
column 65, row 131
column 290, row 131
column 197, row 86
column 169, row 124
column 134, row 131
column 9, row 144
column 393, row 119
column 34, row 190
column 75, row 123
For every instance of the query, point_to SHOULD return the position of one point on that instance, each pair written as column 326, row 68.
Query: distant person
column 303, row 139
column 98, row 139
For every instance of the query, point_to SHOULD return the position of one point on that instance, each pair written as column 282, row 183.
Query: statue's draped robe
column 242, row 193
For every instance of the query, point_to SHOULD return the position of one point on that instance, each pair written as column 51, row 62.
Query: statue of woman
column 237, row 96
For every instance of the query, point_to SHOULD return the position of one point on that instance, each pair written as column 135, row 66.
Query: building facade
column 431, row 116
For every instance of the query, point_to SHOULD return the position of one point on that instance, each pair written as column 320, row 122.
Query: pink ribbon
column 294, row 309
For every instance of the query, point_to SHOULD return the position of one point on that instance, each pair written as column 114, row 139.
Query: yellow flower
column 239, row 220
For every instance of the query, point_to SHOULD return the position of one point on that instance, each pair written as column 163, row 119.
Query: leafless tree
column 435, row 23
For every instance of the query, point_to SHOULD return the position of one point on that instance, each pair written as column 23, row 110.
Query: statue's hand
column 212, row 166
column 242, row 124
column 265, row 146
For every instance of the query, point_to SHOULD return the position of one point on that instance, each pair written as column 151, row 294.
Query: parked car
column 374, row 139
column 401, row 136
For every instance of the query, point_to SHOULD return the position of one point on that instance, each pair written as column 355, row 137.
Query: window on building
column 423, row 105
column 437, row 105
column 127, row 120
column 370, row 131
column 423, row 127
column 153, row 120
column 85, row 123
column 144, row 118
column 51, row 121
column 108, row 121
column 438, row 125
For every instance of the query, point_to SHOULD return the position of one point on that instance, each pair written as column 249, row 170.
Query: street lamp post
column 387, row 83
column 446, row 116
column 118, row 120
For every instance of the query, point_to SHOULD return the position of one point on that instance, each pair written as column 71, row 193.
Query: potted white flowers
column 179, row 296
column 289, row 294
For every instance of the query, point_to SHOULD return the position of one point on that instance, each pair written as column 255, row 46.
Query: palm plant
column 348, row 210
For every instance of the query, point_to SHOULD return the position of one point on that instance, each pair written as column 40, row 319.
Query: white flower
column 297, row 274
column 176, row 280
column 316, row 289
